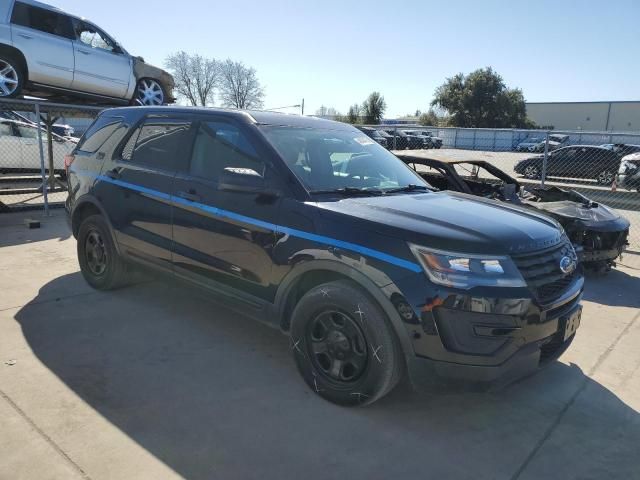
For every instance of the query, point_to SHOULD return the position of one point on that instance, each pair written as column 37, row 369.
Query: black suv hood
column 450, row 221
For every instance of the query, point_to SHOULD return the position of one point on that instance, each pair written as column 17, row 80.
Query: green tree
column 373, row 108
column 481, row 100
column 353, row 115
column 429, row 119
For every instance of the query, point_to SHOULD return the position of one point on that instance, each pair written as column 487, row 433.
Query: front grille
column 541, row 271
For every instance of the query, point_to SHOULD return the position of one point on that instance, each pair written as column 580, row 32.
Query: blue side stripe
column 385, row 257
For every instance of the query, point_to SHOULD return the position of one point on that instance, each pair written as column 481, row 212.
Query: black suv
column 313, row 227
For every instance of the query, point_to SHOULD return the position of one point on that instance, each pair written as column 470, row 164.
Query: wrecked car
column 599, row 233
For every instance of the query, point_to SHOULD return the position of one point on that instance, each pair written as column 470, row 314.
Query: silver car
column 45, row 51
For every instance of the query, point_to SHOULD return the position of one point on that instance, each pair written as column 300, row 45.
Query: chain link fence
column 34, row 139
column 604, row 167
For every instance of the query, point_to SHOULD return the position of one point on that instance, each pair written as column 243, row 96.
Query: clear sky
column 335, row 52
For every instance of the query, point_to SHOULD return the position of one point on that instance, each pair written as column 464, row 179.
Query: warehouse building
column 588, row 116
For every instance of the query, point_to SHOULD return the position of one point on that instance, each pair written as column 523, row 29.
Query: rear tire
column 344, row 346
column 100, row 264
column 11, row 76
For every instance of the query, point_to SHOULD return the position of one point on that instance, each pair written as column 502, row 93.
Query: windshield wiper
column 347, row 191
column 408, row 188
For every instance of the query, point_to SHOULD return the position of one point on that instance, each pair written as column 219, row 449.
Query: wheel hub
column 338, row 346
column 95, row 253
column 8, row 79
column 150, row 93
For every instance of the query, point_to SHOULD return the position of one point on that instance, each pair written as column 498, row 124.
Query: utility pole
column 302, row 108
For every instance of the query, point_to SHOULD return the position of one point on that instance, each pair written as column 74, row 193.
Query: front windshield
column 327, row 160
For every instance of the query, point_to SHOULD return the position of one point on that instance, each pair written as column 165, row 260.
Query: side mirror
column 244, row 180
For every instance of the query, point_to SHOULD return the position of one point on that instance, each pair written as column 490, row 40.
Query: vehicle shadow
column 215, row 395
column 615, row 289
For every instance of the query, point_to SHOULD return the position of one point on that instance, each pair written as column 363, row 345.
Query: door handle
column 191, row 196
column 84, row 52
column 114, row 174
column 24, row 35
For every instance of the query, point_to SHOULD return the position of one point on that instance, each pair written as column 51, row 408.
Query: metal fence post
column 455, row 138
column 544, row 160
column 475, row 131
column 43, row 174
column 395, row 131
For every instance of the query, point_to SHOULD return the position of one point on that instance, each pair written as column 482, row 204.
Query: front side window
column 335, row 159
column 219, row 146
column 158, row 143
column 93, row 37
column 42, row 19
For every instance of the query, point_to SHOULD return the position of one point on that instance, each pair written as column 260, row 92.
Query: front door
column 101, row 66
column 223, row 237
column 44, row 37
column 135, row 186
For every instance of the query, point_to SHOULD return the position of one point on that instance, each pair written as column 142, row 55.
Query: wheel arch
column 85, row 207
column 315, row 272
column 18, row 55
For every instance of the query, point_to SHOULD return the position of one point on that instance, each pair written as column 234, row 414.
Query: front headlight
column 462, row 270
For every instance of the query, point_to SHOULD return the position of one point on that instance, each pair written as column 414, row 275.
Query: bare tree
column 196, row 77
column 239, row 86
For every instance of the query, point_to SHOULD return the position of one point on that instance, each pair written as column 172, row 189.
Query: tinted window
column 158, row 143
column 41, row 19
column 221, row 145
column 98, row 133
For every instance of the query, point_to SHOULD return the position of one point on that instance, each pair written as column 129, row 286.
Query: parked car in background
column 576, row 161
column 629, row 172
column 404, row 141
column 330, row 239
column 20, row 151
column 529, row 144
column 537, row 143
column 387, row 137
column 374, row 135
column 45, row 51
column 598, row 233
column 57, row 128
column 433, row 140
column 423, row 140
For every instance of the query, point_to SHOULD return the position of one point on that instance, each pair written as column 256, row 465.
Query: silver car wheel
column 149, row 92
column 605, row 177
column 8, row 79
column 531, row 172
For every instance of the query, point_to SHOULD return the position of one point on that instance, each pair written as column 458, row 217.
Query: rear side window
column 220, row 145
column 158, row 143
column 42, row 19
column 101, row 130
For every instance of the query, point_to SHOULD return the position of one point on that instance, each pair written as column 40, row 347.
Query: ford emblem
column 567, row 264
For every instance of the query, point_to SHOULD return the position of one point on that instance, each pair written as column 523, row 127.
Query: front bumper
column 465, row 341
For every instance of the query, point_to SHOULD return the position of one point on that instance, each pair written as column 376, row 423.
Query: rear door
column 101, row 66
column 224, row 238
column 135, row 185
column 44, row 37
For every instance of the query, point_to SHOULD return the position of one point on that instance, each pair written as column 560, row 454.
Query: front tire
column 532, row 172
column 100, row 264
column 605, row 177
column 344, row 346
column 11, row 77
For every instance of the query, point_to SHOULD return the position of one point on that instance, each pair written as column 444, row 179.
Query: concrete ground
column 155, row 382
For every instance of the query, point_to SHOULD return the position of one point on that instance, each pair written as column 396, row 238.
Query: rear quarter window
column 98, row 133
